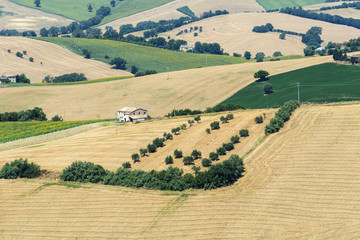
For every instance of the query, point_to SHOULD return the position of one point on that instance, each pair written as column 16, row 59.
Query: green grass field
column 145, row 58
column 328, row 82
column 11, row 131
column 78, row 9
column 277, row 4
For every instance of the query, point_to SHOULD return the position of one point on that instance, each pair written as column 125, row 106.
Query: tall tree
column 37, row 3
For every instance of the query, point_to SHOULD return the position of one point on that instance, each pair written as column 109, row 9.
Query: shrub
column 83, row 172
column 31, row 59
column 213, row 156
column 259, row 119
column 178, row 153
column 196, row 169
column 228, row 146
column 158, row 142
column 188, row 160
column 268, row 88
column 169, row 136
column 190, row 122
column 214, row 125
column 175, row 130
column 143, row 152
column 126, row 165
column 135, row 157
column 197, row 118
column 244, row 133
column 56, row 118
column 235, row 139
column 169, row 160
column 196, row 154
column 208, row 131
column 223, row 119
column 151, row 148
column 20, row 168
column 230, row 116
column 221, row 151
column 206, row 162
column 183, row 126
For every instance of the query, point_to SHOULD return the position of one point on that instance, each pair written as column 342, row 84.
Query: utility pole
column 206, row 60
column 115, row 124
column 298, row 86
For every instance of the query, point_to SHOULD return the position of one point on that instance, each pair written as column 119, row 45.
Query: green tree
column 126, row 165
column 277, row 54
column 247, row 55
column 159, row 142
column 188, row 160
column 196, row 169
column 260, row 57
column 221, row 151
column 190, row 122
column 309, row 51
column 223, row 119
column 244, row 133
column 214, row 125
column 197, row 118
column 20, row 168
column 31, row 59
column 206, row 162
column 261, row 74
column 143, row 152
column 196, row 154
column 113, row 3
column 175, row 131
column 214, row 156
column 282, row 36
column 90, row 8
column 230, row 116
column 178, row 153
column 235, row 139
column 119, row 63
column 228, row 146
column 169, row 160
column 268, row 88
column 37, row 3
column 151, row 148
column 134, row 69
column 135, row 157
column 259, row 119
column 208, row 131
column 57, row 118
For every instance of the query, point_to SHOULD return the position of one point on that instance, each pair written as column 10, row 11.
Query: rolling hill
column 49, row 59
column 277, row 4
column 328, row 82
column 288, row 192
column 160, row 93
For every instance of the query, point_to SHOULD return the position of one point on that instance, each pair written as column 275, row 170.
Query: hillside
column 160, row 93
column 100, row 145
column 288, row 192
column 226, row 28
column 318, row 84
column 24, row 18
column 143, row 57
column 168, row 11
column 49, row 59
column 277, row 4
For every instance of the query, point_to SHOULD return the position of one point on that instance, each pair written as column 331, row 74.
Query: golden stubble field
column 234, row 33
column 160, row 93
column 301, row 183
column 55, row 61
column 103, row 146
column 168, row 11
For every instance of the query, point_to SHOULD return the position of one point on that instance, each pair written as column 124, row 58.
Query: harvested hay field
column 102, row 146
column 59, row 62
column 160, row 93
column 344, row 12
column 23, row 18
column 301, row 183
column 226, row 28
column 168, row 11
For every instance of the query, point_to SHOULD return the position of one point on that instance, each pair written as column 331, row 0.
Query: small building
column 186, row 48
column 356, row 57
column 132, row 114
column 12, row 79
column 319, row 49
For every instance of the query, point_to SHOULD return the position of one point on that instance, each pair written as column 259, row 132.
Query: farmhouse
column 356, row 57
column 130, row 114
column 186, row 48
column 12, row 79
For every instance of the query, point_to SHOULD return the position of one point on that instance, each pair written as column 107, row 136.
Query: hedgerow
column 83, row 172
column 281, row 116
column 20, row 168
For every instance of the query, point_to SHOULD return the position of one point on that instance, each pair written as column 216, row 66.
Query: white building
column 11, row 78
column 186, row 48
column 130, row 114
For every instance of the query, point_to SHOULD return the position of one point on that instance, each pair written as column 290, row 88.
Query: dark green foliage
column 228, row 146
column 260, row 57
column 22, row 79
column 135, row 157
column 146, row 72
column 90, row 8
column 196, row 169
column 190, row 122
column 206, row 162
column 247, row 55
column 36, row 114
column 151, row 148
column 309, row 50
column 178, row 153
column 214, row 156
column 196, row 154
column 134, row 69
column 158, row 142
column 175, row 130
column 218, row 108
column 268, row 88
column 208, row 131
column 31, row 59
column 259, row 119
column 37, row 3
column 188, row 178
column 221, row 151
column 20, row 168
column 277, row 54
column 57, row 118
column 19, row 54
column 223, row 119
column 119, row 63
column 230, row 116
column 187, row 11
column 281, row 116
column 126, row 165
column 197, row 118
column 183, row 126
column 169, row 160
column 143, row 152
column 168, row 136
column 263, row 28
column 261, row 74
column 113, row 3
column 86, row 53
column 83, row 172
column 72, row 77
column 244, row 133
column 282, row 36
column 235, row 139
column 188, row 160
column 214, row 125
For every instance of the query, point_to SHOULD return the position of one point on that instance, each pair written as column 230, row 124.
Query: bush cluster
column 281, row 116
column 20, row 168
column 218, row 108
column 259, row 119
column 83, row 172
column 244, row 133
column 36, row 114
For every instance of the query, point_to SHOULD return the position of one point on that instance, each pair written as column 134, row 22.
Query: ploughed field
column 300, row 183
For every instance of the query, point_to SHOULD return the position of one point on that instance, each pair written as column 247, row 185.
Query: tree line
column 35, row 114
column 217, row 108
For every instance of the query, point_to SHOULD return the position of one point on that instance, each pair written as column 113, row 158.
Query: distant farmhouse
column 186, row 48
column 7, row 79
column 356, row 58
column 132, row 114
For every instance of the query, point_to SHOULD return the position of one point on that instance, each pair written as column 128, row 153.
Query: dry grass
column 344, row 12
column 194, row 88
column 301, row 183
column 234, row 33
column 23, row 18
column 104, row 147
column 55, row 60
column 168, row 11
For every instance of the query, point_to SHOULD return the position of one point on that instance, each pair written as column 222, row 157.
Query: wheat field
column 301, row 183
column 160, row 93
column 60, row 61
